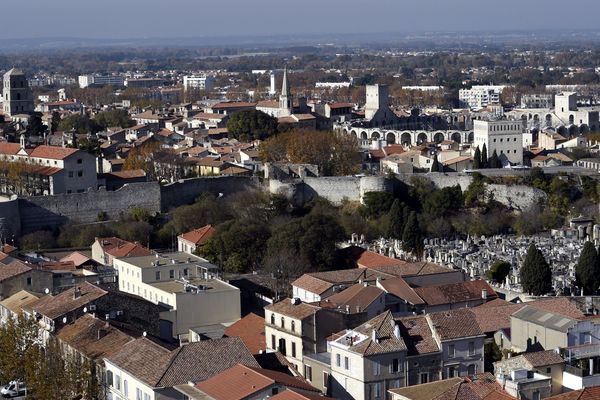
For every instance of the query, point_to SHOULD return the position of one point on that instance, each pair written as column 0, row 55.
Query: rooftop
column 204, row 285
column 59, row 305
column 251, row 329
column 454, row 324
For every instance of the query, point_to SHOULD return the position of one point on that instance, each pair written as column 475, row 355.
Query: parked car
column 13, row 389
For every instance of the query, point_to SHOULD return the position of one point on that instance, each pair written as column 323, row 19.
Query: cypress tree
column 435, row 167
column 477, row 159
column 397, row 221
column 536, row 276
column 494, row 161
column 484, row 157
column 586, row 270
column 412, row 237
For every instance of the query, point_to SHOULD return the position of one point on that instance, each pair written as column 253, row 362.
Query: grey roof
column 546, row 319
column 14, row 72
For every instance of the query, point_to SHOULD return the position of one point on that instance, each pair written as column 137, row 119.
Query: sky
column 122, row 19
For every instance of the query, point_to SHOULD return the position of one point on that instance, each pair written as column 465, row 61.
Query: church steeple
column 285, row 99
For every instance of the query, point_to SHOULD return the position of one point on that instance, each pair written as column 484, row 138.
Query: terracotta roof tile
column 52, row 152
column 121, row 248
column 296, row 311
column 251, row 329
column 454, row 324
column 543, row 358
column 240, row 382
column 492, row 319
column 293, row 395
column 590, row 393
column 12, row 269
column 417, row 335
column 200, row 235
column 558, row 305
column 56, row 306
column 399, row 288
column 454, row 292
column 93, row 337
column 387, row 341
column 9, row 148
column 356, row 298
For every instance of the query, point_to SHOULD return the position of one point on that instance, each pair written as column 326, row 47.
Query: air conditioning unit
column 92, row 307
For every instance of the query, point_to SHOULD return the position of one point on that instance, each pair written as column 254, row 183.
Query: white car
column 13, row 389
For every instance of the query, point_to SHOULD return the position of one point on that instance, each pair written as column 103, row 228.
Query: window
column 338, row 360
column 451, row 351
column 293, row 325
column 346, row 363
column 451, row 372
column 424, row 377
column 377, row 390
column 395, row 366
column 293, row 349
column 471, row 348
column 172, row 274
column 29, row 281
column 536, row 395
column 79, row 173
column 273, row 342
column 273, row 319
column 472, row 369
column 282, row 322
column 109, row 378
column 146, row 396
column 79, row 161
column 70, row 174
column 157, row 275
column 118, row 382
column 376, row 368
column 274, row 391
column 308, row 372
column 548, row 370
column 325, row 380
column 138, row 394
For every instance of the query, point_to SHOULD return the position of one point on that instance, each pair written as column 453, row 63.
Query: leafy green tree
column 412, row 237
column 251, row 125
column 377, row 203
column 237, row 246
column 587, row 270
column 475, row 195
column 312, row 237
column 495, row 161
column 91, row 145
column 477, row 159
column 38, row 240
column 396, row 220
column 484, row 157
column 498, row 271
column 443, row 202
column 113, row 118
column 82, row 124
column 536, row 276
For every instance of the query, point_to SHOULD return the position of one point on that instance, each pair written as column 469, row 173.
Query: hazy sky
column 191, row 18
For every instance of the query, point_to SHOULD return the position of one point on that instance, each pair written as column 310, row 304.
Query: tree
column 536, row 276
column 377, row 203
column 396, row 218
column 495, row 161
column 35, row 126
column 141, row 157
column 412, row 237
column 249, row 125
column 82, row 124
column 113, row 118
column 477, row 159
column 55, row 122
column 91, row 145
column 484, row 157
column 334, row 153
column 498, row 271
column 38, row 240
column 436, row 166
column 587, row 270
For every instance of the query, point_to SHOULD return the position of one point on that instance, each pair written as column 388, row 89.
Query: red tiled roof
column 76, row 258
column 121, row 248
column 293, row 395
column 454, row 292
column 455, row 324
column 356, row 298
column 589, row 393
column 9, row 148
column 56, row 306
column 494, row 318
column 558, row 305
column 240, row 382
column 52, row 152
column 251, row 329
column 12, row 269
column 233, row 104
column 399, row 288
column 417, row 335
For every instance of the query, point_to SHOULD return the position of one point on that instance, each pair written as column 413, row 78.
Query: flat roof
column 166, row 259
column 210, row 285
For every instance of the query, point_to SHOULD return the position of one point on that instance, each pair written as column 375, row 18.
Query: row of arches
column 411, row 137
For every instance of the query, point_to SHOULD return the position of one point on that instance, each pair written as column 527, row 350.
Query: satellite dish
column 144, row 334
column 64, row 320
column 47, row 291
column 84, row 309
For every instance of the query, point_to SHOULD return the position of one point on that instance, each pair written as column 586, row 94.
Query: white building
column 183, row 283
column 480, row 96
column 198, row 82
column 100, row 80
column 503, row 136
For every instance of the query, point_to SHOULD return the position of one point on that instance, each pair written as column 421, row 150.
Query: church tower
column 16, row 97
column 285, row 99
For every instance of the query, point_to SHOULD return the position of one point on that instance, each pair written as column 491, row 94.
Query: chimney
column 484, row 294
column 347, row 309
column 397, row 331
column 374, row 336
column 77, row 293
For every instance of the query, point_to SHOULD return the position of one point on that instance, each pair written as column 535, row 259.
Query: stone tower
column 285, row 99
column 16, row 94
column 377, row 99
